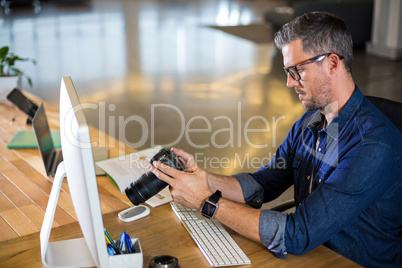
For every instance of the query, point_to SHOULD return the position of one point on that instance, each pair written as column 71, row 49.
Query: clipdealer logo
column 237, row 132
column 186, row 128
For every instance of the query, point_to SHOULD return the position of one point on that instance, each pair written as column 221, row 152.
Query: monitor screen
column 80, row 170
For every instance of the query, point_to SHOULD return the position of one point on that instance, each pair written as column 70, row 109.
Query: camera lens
column 144, row 188
column 148, row 184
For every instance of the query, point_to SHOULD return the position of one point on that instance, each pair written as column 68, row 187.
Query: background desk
column 24, row 193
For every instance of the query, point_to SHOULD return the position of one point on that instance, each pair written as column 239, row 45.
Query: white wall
column 386, row 39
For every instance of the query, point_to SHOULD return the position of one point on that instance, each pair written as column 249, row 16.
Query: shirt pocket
column 297, row 161
column 301, row 178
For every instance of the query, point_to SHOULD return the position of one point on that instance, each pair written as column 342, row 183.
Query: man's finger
column 172, row 172
column 160, row 174
column 179, row 152
column 188, row 159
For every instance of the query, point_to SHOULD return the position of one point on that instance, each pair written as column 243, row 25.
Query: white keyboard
column 212, row 239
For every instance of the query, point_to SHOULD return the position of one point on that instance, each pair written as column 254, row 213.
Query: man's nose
column 291, row 82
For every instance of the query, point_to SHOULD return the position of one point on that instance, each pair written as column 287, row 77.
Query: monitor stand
column 64, row 253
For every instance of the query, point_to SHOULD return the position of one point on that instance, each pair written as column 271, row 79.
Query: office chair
column 392, row 109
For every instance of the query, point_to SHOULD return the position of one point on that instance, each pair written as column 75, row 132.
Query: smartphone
column 22, row 102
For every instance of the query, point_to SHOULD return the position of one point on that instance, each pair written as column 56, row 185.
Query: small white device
column 134, row 213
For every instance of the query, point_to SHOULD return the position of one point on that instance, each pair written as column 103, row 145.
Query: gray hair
column 320, row 33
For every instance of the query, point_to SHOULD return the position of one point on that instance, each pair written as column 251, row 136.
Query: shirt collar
column 316, row 120
column 345, row 115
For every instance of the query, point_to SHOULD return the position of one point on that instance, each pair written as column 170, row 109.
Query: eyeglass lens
column 293, row 72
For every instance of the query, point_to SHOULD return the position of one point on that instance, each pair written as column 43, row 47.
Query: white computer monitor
column 79, row 168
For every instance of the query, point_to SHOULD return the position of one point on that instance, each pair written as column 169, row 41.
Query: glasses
column 293, row 70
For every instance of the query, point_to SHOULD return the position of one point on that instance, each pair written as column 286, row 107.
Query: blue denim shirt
column 355, row 202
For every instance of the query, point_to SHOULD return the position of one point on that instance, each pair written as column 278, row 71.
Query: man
column 343, row 157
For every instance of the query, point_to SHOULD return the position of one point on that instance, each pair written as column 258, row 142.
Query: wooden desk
column 25, row 189
column 161, row 233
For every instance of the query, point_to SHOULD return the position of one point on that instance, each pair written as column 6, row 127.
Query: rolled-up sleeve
column 272, row 223
column 272, row 231
column 252, row 191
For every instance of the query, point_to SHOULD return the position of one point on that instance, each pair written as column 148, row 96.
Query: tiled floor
column 156, row 72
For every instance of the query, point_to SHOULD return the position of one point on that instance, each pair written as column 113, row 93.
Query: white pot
column 8, row 83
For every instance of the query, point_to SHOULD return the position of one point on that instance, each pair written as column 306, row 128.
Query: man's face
column 314, row 87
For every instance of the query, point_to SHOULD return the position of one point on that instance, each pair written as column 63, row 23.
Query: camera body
column 148, row 184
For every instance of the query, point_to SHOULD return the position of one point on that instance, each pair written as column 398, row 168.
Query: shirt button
column 308, row 177
column 319, row 181
column 319, row 149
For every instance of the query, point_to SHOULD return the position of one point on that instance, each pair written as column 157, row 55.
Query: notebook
column 26, row 139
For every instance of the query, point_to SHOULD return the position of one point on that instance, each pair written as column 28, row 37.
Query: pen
column 111, row 250
column 109, row 239
column 126, row 240
column 122, row 241
column 129, row 244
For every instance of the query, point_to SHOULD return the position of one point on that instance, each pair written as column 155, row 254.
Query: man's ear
column 334, row 63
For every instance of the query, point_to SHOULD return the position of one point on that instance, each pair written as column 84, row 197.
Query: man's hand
column 193, row 186
column 188, row 159
column 187, row 188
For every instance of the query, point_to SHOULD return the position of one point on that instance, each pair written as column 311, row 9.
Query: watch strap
column 214, row 198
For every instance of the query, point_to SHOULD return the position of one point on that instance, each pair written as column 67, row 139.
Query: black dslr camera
column 148, row 184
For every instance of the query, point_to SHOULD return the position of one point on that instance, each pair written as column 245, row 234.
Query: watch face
column 208, row 209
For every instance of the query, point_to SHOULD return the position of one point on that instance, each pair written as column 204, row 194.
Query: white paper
column 160, row 198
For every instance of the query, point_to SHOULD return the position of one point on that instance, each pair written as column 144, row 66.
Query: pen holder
column 128, row 259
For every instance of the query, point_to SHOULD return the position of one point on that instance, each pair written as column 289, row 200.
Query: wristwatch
column 210, row 205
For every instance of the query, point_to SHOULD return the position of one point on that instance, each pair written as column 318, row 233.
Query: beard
column 320, row 95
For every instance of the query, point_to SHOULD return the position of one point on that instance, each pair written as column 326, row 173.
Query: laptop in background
column 23, row 103
column 51, row 155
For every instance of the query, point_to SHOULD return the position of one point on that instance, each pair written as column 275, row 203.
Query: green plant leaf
column 3, row 52
column 29, row 81
column 7, row 62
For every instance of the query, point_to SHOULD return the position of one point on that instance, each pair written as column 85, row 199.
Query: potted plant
column 10, row 76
